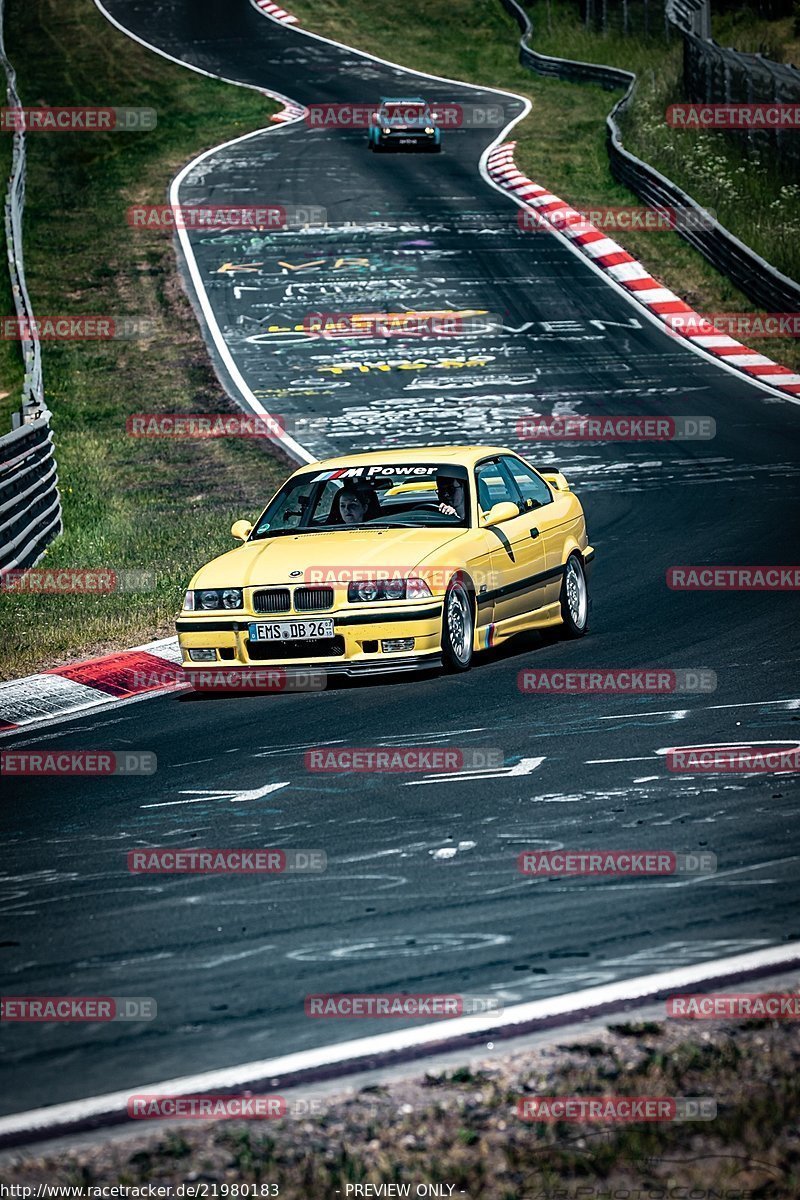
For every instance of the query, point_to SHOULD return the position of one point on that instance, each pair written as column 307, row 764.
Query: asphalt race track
column 422, row 893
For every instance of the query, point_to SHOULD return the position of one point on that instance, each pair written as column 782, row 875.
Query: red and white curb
column 276, row 12
column 289, row 112
column 154, row 667
column 631, row 275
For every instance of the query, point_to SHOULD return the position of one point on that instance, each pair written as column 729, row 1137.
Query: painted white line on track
column 231, row 794
column 642, row 758
column 525, row 766
column 666, row 712
column 293, row 448
column 355, row 1054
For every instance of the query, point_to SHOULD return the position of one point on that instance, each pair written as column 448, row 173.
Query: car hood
column 323, row 557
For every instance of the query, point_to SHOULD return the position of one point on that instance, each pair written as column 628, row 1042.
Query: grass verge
column 460, row 1129
column 744, row 189
column 129, row 504
column 561, row 144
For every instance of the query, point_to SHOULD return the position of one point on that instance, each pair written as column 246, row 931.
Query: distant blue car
column 404, row 124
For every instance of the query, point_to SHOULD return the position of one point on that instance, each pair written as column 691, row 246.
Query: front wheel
column 457, row 628
column 574, row 599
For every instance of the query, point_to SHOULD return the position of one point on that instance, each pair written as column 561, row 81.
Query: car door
column 552, row 513
column 519, row 554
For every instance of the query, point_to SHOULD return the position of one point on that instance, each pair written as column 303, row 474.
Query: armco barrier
column 30, row 510
column 30, row 506
column 690, row 16
column 754, row 276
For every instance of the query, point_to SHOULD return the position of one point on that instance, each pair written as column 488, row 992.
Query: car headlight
column 394, row 589
column 210, row 598
column 369, row 590
column 429, row 129
column 386, row 130
column 417, row 589
column 366, row 591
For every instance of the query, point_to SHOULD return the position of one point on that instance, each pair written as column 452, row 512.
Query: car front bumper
column 407, row 138
column 357, row 647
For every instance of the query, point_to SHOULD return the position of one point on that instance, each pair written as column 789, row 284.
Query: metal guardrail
column 690, row 16
column 754, row 276
column 713, row 74
column 30, row 506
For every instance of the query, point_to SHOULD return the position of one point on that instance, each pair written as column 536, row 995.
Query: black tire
column 458, row 627
column 575, row 598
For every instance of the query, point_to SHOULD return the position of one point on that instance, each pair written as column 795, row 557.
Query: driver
column 452, row 495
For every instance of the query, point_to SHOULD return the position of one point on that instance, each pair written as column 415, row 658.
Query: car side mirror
column 241, row 530
column 503, row 511
column 556, row 480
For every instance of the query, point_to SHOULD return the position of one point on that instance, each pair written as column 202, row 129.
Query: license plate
column 291, row 631
column 407, row 141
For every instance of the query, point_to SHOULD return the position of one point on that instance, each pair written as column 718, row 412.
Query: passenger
column 353, row 506
column 452, row 496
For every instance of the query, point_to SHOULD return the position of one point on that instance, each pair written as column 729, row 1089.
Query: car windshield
column 397, row 496
column 405, row 111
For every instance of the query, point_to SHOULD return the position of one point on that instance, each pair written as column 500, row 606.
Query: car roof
column 464, row 455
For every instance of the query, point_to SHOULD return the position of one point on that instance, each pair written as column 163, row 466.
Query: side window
column 494, row 485
column 324, row 503
column 534, row 491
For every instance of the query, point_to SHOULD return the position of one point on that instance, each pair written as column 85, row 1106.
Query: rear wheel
column 457, row 628
column 574, row 598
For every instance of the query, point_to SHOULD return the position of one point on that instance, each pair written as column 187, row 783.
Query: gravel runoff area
column 454, row 1130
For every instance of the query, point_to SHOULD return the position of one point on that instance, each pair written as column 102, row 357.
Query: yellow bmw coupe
column 399, row 559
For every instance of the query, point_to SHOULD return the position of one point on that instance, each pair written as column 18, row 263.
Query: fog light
column 203, row 655
column 394, row 644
